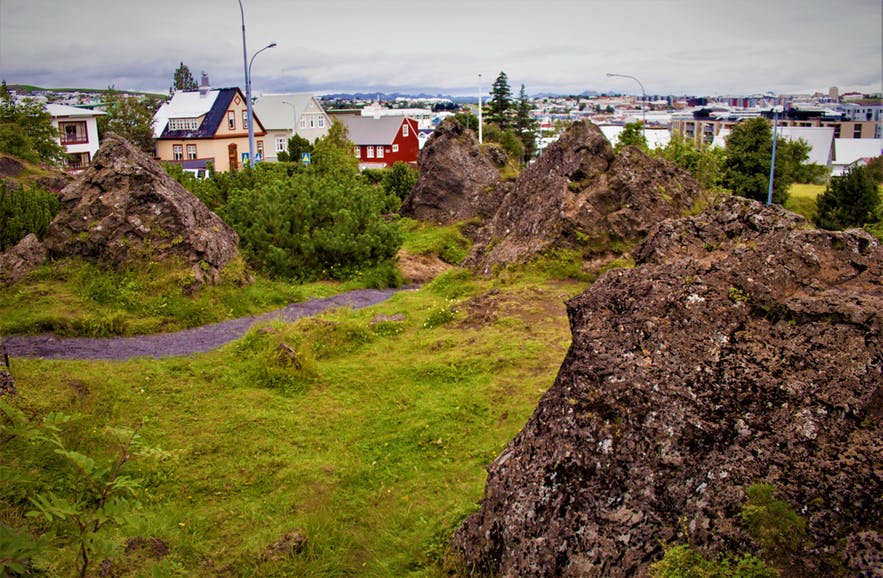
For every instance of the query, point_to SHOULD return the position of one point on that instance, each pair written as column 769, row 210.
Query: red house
column 380, row 142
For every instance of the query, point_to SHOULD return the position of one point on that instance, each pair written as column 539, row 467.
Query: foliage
column 399, row 180
column 333, row 153
column 683, row 561
column 468, row 120
column 183, row 79
column 130, row 117
column 313, row 225
column 513, row 146
column 499, row 107
column 850, row 200
column 491, row 133
column 704, row 164
column 632, row 135
column 95, row 497
column 24, row 210
column 747, row 164
column 26, row 130
column 297, row 145
column 774, row 524
column 875, row 169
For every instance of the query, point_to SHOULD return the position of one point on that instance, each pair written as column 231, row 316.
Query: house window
column 405, row 129
column 380, row 152
column 177, row 152
column 837, row 130
column 358, row 151
column 857, row 131
column 370, row 154
column 312, row 122
column 191, row 152
column 259, row 154
column 244, row 118
column 73, row 132
column 281, row 144
column 321, row 122
column 183, row 123
column 395, row 148
column 303, row 122
column 77, row 161
column 231, row 120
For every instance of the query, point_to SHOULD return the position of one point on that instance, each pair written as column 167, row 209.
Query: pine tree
column 183, row 79
column 526, row 125
column 850, row 200
column 499, row 107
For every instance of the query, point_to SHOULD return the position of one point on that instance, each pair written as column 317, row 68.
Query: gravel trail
column 182, row 343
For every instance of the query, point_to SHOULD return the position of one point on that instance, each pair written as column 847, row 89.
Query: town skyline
column 557, row 47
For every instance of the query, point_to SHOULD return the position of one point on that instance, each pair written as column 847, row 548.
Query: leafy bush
column 682, row 561
column 313, row 226
column 851, row 200
column 399, row 180
column 25, row 210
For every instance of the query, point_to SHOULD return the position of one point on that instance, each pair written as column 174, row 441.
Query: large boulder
column 25, row 256
column 580, row 194
column 126, row 208
column 745, row 348
column 459, row 179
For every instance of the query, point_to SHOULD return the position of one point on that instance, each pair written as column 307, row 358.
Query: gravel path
column 187, row 342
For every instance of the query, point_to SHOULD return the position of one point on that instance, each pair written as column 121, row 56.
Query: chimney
column 204, row 86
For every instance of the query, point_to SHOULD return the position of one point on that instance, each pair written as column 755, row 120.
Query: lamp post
column 251, row 158
column 769, row 197
column 246, row 66
column 479, row 109
column 293, row 118
column 643, row 105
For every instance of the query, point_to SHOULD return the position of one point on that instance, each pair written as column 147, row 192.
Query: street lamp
column 479, row 110
column 643, row 105
column 251, row 158
column 246, row 66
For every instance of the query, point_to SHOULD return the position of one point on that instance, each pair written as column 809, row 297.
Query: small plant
column 440, row 317
column 101, row 497
column 777, row 528
column 682, row 561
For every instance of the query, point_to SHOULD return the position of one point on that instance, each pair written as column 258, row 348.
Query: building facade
column 198, row 128
column 77, row 133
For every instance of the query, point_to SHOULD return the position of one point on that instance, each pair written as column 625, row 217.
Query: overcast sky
column 694, row 47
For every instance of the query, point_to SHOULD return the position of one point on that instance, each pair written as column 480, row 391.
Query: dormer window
column 405, row 129
column 183, row 123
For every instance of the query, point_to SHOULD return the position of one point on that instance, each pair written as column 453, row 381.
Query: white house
column 849, row 152
column 78, row 133
column 285, row 115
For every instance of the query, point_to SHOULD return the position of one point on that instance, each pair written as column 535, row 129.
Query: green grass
column 802, row 199
column 369, row 435
column 75, row 298
column 447, row 241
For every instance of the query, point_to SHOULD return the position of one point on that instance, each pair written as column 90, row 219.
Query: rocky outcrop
column 580, row 194
column 744, row 348
column 459, row 179
column 125, row 208
column 24, row 257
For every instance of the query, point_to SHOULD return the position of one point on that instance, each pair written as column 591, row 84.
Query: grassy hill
column 352, row 443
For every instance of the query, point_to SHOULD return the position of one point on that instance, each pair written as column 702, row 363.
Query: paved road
column 182, row 343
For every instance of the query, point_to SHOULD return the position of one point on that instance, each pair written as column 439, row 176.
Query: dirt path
column 187, row 342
